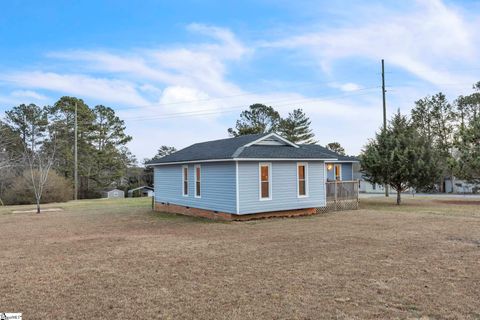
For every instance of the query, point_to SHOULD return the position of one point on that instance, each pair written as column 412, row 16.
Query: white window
column 302, row 179
column 198, row 179
column 185, row 181
column 338, row 172
column 265, row 181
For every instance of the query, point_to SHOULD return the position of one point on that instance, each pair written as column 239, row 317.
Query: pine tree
column 107, row 148
column 434, row 118
column 62, row 121
column 336, row 147
column 257, row 119
column 102, row 153
column 469, row 152
column 164, row 151
column 400, row 157
column 296, row 128
column 29, row 121
column 467, row 140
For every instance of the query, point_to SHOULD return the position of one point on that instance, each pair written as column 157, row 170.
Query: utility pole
column 76, row 154
column 384, row 111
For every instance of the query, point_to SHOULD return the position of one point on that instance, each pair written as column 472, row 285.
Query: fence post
column 335, row 197
column 357, row 186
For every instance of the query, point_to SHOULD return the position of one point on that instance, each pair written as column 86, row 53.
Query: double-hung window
column 198, row 179
column 185, row 180
column 302, row 179
column 265, row 181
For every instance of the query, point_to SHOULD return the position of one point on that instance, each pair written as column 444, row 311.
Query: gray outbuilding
column 113, row 193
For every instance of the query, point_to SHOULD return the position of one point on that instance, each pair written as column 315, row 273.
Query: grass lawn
column 116, row 259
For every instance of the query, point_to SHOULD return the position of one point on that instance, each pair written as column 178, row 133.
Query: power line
column 230, row 109
column 224, row 97
column 242, row 106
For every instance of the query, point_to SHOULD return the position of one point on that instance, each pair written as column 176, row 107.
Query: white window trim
column 335, row 166
column 306, row 180
column 260, row 165
column 183, row 181
column 195, row 174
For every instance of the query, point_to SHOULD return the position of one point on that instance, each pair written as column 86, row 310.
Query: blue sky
column 180, row 72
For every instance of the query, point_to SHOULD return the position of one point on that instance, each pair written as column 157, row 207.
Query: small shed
column 113, row 193
column 145, row 191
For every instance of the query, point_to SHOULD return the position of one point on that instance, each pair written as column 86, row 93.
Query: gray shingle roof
column 305, row 151
column 339, row 156
column 233, row 148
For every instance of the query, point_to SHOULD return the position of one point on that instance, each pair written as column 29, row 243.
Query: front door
column 338, row 172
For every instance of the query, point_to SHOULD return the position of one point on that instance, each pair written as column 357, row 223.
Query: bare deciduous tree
column 39, row 161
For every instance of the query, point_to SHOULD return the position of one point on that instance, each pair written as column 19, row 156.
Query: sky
column 180, row 72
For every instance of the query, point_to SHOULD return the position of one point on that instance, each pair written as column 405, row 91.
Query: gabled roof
column 340, row 157
column 249, row 147
column 139, row 188
column 112, row 189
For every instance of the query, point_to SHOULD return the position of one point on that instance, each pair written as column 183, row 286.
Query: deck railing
column 341, row 195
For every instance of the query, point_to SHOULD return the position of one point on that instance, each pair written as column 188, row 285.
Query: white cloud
column 180, row 73
column 347, row 87
column 426, row 41
column 85, row 86
column 17, row 97
column 29, row 94
column 230, row 47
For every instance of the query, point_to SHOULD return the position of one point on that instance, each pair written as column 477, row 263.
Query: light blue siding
column 284, row 187
column 347, row 174
column 218, row 186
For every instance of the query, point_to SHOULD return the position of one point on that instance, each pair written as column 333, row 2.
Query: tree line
column 37, row 151
column 438, row 140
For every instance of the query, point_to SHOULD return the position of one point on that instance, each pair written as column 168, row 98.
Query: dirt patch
column 35, row 210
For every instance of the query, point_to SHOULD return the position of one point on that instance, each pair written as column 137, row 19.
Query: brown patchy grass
column 119, row 260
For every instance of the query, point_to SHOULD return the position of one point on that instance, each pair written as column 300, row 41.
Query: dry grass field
column 107, row 259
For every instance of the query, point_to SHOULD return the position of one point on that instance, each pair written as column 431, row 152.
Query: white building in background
column 368, row 187
column 113, row 194
column 363, row 185
column 461, row 186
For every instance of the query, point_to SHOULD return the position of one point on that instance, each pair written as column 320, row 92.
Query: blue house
column 260, row 175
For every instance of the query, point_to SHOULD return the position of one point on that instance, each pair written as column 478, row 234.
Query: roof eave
column 240, row 159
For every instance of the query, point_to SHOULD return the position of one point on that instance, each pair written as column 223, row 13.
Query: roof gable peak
column 271, row 139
